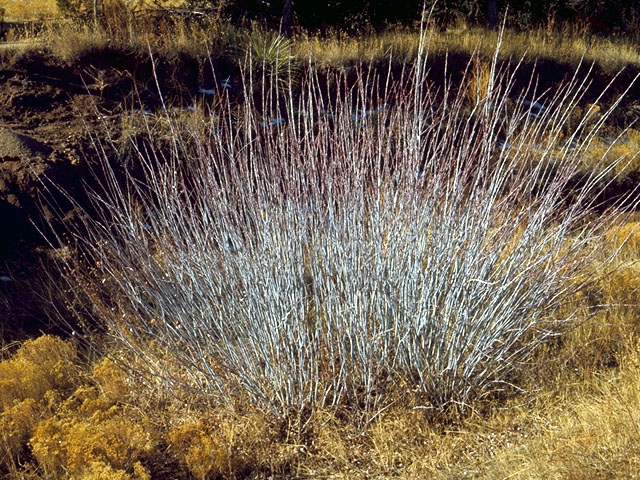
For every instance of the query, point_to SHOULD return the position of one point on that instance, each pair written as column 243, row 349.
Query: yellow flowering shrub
column 40, row 365
column 225, row 446
column 112, row 380
column 31, row 381
column 16, row 425
column 90, row 429
column 104, row 471
column 199, row 451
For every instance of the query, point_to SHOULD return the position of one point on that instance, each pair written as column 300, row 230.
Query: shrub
column 112, row 380
column 104, row 471
column 271, row 50
column 31, row 380
column 90, row 433
column 16, row 425
column 225, row 447
column 385, row 240
column 39, row 366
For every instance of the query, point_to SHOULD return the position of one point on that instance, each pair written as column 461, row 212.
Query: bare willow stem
column 340, row 246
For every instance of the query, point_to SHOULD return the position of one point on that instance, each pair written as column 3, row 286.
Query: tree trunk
column 492, row 13
column 285, row 22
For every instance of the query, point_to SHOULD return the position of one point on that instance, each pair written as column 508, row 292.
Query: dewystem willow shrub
column 380, row 240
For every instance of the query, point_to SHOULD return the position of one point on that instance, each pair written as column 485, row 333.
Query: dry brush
column 350, row 243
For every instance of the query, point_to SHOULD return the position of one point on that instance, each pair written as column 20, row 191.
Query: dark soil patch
column 47, row 109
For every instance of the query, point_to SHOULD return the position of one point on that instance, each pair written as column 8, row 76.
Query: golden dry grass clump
column 480, row 81
column 624, row 152
column 590, row 433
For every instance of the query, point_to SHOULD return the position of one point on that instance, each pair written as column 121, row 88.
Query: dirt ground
column 38, row 137
column 47, row 109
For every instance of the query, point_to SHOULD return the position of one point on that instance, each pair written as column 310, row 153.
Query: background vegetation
column 525, row 320
column 612, row 17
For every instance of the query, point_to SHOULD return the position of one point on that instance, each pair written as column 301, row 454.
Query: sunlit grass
column 566, row 45
column 561, row 46
column 20, row 10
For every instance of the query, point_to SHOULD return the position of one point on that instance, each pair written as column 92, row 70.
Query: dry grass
column 20, row 11
column 37, row 10
column 67, row 40
column 590, row 431
column 567, row 46
column 625, row 147
column 41, row 365
column 578, row 417
column 562, row 46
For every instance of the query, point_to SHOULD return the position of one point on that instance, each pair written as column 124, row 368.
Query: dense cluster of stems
column 349, row 243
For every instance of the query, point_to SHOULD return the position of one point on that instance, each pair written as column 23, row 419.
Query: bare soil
column 47, row 109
